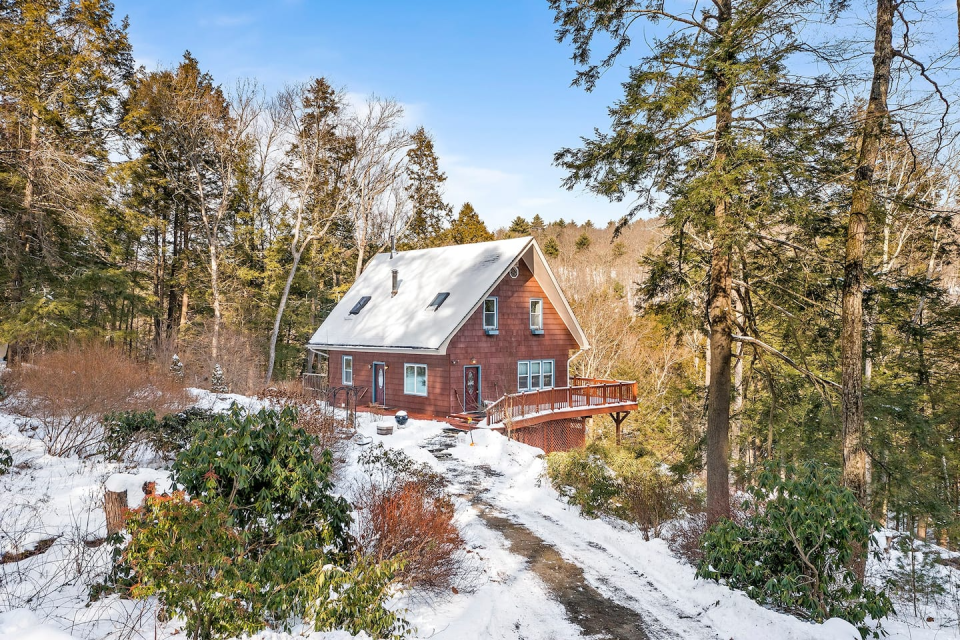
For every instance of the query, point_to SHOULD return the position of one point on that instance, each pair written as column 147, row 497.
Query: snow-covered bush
column 263, row 542
column 797, row 547
column 6, row 460
column 176, row 368
column 127, row 432
column 218, row 384
column 66, row 393
column 403, row 512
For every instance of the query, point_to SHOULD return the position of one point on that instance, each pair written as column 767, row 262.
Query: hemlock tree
column 198, row 139
column 519, row 227
column 429, row 215
column 467, row 227
column 705, row 132
column 62, row 68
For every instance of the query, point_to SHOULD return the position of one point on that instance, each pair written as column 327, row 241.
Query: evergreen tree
column 710, row 119
column 176, row 368
column 62, row 68
column 430, row 215
column 519, row 227
column 550, row 248
column 467, row 228
column 537, row 224
column 218, row 384
column 583, row 242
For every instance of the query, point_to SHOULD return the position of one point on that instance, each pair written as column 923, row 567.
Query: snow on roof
column 406, row 321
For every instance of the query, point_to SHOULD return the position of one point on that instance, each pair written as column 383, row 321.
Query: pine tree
column 218, row 383
column 176, row 368
column 583, row 242
column 430, row 215
column 537, row 224
column 467, row 228
column 550, row 248
column 519, row 227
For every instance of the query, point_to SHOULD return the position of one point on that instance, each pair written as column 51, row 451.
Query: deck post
column 618, row 419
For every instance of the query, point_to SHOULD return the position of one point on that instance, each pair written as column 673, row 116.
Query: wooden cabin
column 477, row 333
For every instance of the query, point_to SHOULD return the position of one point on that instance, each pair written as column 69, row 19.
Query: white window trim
column 530, row 387
column 553, row 373
column 426, row 383
column 343, row 370
column 532, row 327
column 526, row 388
column 496, row 314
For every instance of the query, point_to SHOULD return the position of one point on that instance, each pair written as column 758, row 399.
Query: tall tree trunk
column 719, row 306
column 26, row 218
column 856, row 467
column 280, row 308
column 215, row 291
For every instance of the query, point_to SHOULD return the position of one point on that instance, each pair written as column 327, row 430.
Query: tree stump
column 114, row 505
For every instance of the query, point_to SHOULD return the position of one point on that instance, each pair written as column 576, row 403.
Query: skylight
column 360, row 305
column 443, row 295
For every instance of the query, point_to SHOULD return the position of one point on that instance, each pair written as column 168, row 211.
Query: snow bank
column 23, row 624
column 133, row 483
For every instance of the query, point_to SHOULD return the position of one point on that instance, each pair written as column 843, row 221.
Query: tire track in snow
column 599, row 615
column 652, row 613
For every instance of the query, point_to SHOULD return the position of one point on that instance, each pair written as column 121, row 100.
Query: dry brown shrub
column 403, row 511
column 67, row 392
column 241, row 358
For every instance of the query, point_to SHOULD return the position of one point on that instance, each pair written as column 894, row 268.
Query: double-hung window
column 347, row 370
column 415, row 379
column 535, row 374
column 523, row 375
column 536, row 315
column 490, row 315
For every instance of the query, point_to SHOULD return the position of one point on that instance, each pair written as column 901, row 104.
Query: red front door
column 379, row 391
column 471, row 388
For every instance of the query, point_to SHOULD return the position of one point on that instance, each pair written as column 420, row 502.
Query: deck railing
column 580, row 396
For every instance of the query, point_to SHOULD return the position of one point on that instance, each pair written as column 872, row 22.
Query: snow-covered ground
column 59, row 500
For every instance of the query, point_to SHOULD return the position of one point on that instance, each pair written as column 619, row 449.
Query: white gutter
column 571, row 359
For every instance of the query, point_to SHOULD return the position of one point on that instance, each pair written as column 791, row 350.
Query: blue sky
column 487, row 79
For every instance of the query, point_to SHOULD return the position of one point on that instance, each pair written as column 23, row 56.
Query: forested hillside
column 785, row 291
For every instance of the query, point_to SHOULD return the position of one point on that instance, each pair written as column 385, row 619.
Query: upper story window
column 536, row 315
column 415, row 379
column 347, row 370
column 490, row 315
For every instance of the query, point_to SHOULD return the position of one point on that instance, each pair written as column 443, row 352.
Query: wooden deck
column 585, row 397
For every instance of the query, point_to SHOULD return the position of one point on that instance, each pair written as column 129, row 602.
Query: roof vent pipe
column 393, row 245
column 395, row 282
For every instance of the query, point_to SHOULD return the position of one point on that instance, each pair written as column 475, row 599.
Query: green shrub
column 609, row 480
column 796, row 547
column 125, row 430
column 648, row 495
column 582, row 476
column 262, row 542
column 6, row 460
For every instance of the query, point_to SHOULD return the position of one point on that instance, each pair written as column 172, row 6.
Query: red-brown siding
column 497, row 355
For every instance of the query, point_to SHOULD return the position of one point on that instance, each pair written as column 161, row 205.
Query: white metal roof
column 404, row 323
